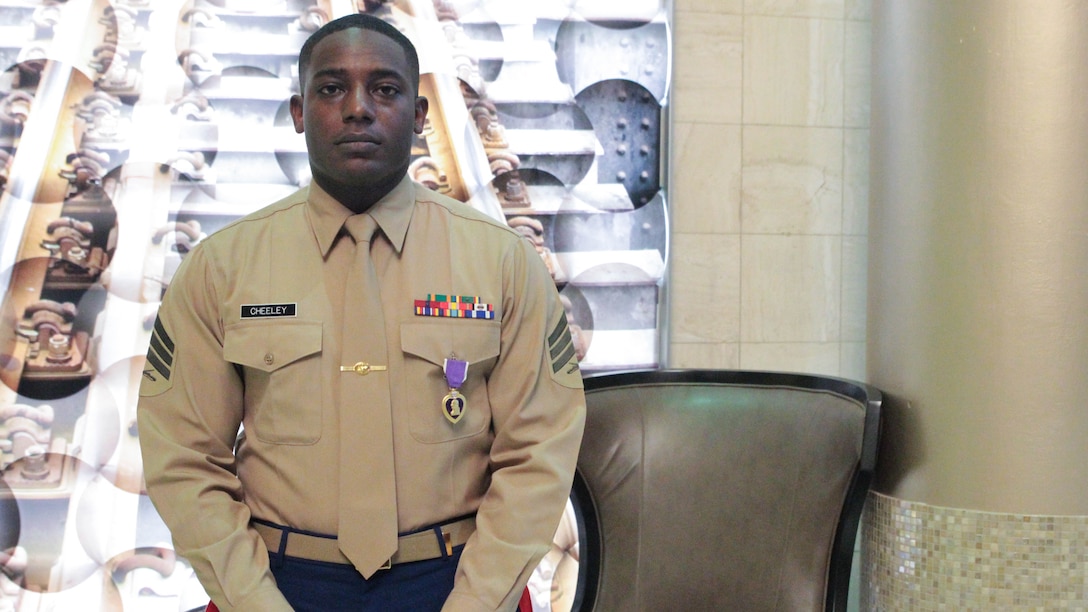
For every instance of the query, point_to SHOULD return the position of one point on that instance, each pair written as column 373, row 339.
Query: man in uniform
column 399, row 364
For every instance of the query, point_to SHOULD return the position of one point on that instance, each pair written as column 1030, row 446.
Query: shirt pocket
column 425, row 347
column 282, row 369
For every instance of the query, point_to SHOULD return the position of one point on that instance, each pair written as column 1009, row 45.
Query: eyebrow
column 380, row 73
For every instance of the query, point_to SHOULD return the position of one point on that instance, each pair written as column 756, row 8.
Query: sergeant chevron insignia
column 561, row 354
column 159, row 363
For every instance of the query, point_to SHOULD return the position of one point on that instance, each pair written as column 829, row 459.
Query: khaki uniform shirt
column 510, row 459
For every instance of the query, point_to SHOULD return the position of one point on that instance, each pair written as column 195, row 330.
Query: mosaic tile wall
column 919, row 557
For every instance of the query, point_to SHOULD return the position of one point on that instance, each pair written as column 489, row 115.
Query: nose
column 357, row 105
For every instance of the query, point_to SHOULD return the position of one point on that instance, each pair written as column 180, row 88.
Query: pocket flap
column 435, row 341
column 269, row 346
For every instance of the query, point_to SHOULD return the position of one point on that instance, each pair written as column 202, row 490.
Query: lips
column 350, row 139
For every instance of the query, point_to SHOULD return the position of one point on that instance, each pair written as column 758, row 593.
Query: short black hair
column 363, row 22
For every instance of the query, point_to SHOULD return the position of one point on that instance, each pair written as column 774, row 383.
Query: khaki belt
column 419, row 546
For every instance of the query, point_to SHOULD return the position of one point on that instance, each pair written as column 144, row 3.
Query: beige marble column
column 978, row 305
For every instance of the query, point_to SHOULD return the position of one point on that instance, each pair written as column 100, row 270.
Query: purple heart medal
column 453, row 405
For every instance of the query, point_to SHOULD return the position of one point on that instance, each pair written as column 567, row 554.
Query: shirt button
column 268, row 358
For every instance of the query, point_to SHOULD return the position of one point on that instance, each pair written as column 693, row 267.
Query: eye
column 329, row 89
column 387, row 90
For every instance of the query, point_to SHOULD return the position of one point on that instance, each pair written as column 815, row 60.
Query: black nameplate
column 256, row 311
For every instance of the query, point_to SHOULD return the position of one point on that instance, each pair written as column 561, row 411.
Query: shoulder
column 460, row 213
column 259, row 221
column 477, row 236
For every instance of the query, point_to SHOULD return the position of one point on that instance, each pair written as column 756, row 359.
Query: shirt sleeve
column 538, row 411
column 189, row 413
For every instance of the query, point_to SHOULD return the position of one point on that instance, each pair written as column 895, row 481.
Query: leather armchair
column 722, row 490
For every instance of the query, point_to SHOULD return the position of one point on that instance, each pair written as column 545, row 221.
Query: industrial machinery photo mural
column 130, row 130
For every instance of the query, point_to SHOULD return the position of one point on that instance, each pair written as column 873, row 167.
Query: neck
column 358, row 198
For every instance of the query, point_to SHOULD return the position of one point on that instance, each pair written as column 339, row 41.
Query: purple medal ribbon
column 456, row 372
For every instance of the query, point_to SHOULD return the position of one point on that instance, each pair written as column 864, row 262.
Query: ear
column 421, row 113
column 296, row 113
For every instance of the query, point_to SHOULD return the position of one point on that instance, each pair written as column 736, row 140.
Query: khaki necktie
column 368, row 500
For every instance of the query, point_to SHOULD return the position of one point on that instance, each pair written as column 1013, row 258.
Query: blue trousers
column 318, row 586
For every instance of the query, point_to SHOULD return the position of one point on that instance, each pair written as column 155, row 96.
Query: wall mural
column 131, row 130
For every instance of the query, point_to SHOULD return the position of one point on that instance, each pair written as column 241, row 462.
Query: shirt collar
column 393, row 214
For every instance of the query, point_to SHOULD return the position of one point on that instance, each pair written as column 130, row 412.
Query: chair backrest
column 722, row 490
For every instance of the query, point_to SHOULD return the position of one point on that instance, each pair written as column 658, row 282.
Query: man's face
column 359, row 111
